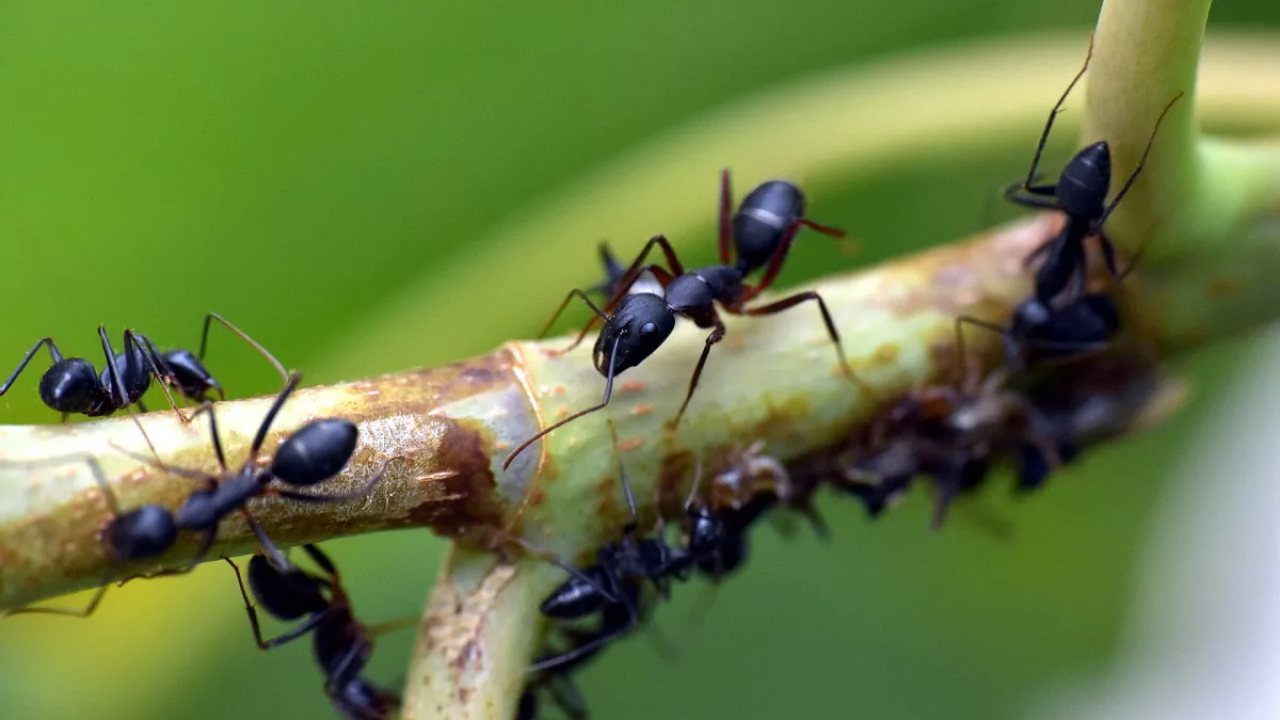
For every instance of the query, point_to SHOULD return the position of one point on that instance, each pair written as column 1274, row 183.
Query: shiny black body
column 73, row 385
column 635, row 325
column 764, row 225
column 312, row 455
column 341, row 645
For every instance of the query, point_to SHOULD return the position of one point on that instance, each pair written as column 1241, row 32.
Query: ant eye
column 647, row 328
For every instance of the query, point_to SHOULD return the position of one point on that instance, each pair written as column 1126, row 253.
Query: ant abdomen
column 287, row 595
column 146, row 532
column 316, row 453
column 72, row 384
column 767, row 213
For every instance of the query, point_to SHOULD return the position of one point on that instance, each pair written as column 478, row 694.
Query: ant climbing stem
column 1081, row 194
column 73, row 385
column 637, row 324
column 1048, row 126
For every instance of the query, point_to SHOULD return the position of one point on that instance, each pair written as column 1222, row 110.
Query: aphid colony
column 946, row 435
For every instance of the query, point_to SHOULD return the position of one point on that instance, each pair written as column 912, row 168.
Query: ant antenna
column 1129, row 183
column 204, row 341
column 622, row 473
column 608, row 392
column 576, row 292
column 1057, row 108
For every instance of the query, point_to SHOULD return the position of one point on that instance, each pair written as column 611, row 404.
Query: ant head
column 315, row 453
column 286, row 594
column 1085, row 181
column 765, row 216
column 70, row 385
column 189, row 374
column 142, row 533
column 639, row 326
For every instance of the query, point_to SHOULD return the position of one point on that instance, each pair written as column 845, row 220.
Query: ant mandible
column 73, row 385
column 342, row 644
column 1081, row 194
column 311, row 455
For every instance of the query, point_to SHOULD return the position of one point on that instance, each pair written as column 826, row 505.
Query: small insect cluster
column 947, row 435
column 307, row 458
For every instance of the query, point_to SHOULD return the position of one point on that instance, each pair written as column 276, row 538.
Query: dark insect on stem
column 1061, row 319
column 311, row 455
column 636, row 324
column 1081, row 194
column 951, row 435
column 73, row 385
column 342, row 643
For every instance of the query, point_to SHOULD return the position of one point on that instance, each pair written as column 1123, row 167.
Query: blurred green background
column 299, row 167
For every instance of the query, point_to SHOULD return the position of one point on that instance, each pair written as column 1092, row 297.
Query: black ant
column 636, row 324
column 342, row 644
column 1080, row 193
column 73, row 385
column 611, row 588
column 639, row 323
column 311, row 455
column 1054, row 322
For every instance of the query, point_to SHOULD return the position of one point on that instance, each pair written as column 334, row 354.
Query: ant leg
column 113, row 371
column 289, row 386
column 361, row 492
column 158, row 367
column 828, row 230
column 622, row 475
column 726, row 217
column 339, row 675
column 252, row 612
column 660, row 273
column 585, row 649
column 717, row 334
column 793, row 300
column 576, row 292
column 53, row 351
column 269, row 550
column 321, row 559
column 1040, row 197
column 1141, row 162
column 207, row 407
column 613, row 271
column 1048, row 126
column 83, row 612
column 775, row 263
column 637, row 267
column 608, row 392
column 963, row 354
column 204, row 339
